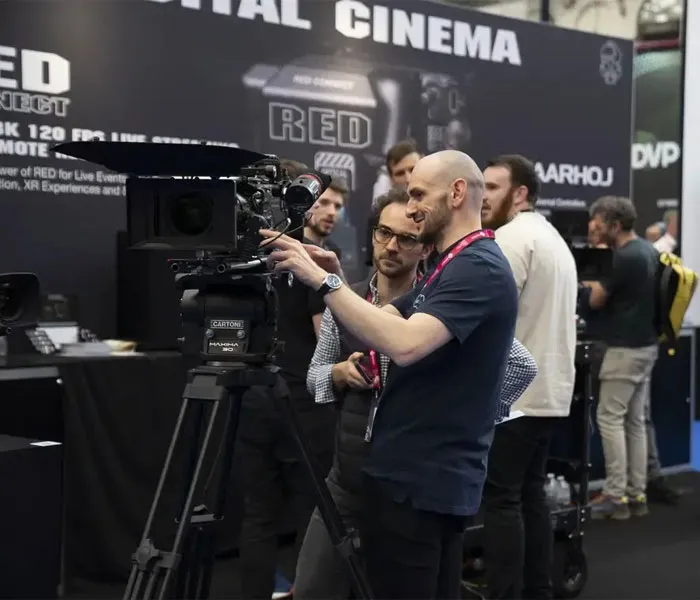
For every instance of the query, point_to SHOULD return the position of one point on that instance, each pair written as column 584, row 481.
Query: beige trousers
column 625, row 378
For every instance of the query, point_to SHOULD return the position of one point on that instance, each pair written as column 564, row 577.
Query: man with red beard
column 448, row 340
column 273, row 473
column 517, row 527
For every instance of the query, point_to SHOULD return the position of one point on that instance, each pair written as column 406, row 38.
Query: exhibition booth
column 334, row 84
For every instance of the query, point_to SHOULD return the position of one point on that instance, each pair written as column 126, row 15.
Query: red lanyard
column 463, row 243
column 373, row 359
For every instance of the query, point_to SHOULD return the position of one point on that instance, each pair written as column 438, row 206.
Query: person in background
column 654, row 232
column 668, row 242
column 628, row 297
column 274, row 479
column 452, row 334
column 400, row 161
column 594, row 237
column 324, row 216
column 517, row 521
column 321, row 573
column 398, row 165
column 658, row 488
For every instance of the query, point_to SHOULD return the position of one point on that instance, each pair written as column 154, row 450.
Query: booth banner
column 656, row 152
column 332, row 83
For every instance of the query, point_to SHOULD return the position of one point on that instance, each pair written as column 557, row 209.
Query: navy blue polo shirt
column 435, row 420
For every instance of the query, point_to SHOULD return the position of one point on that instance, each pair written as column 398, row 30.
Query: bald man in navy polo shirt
column 449, row 341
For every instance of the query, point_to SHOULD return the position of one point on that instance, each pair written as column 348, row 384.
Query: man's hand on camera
column 347, row 374
column 326, row 259
column 290, row 256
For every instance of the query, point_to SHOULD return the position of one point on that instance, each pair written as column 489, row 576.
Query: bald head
column 448, row 167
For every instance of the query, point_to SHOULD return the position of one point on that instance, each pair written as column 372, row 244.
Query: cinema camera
column 213, row 200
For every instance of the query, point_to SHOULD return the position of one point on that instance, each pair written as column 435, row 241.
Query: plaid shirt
column 520, row 370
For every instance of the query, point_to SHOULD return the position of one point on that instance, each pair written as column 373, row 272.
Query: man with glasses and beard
column 448, row 341
column 321, row 572
column 517, row 526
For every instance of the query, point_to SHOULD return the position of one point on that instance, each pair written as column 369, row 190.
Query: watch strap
column 326, row 287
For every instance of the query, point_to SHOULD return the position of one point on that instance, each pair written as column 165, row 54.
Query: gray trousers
column 623, row 411
column 321, row 573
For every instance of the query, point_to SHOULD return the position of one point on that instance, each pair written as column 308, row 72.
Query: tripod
column 190, row 560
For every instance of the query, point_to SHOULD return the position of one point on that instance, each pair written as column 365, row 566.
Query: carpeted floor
column 655, row 557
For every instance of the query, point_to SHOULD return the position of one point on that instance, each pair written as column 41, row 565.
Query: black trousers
column 275, row 480
column 517, row 522
column 410, row 553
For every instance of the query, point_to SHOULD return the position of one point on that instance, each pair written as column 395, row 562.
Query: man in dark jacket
column 397, row 253
column 273, row 474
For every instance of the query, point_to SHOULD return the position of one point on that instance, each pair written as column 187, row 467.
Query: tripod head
column 228, row 318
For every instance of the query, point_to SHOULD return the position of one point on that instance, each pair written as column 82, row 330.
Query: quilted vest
column 350, row 446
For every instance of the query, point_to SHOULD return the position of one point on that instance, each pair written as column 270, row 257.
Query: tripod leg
column 235, row 400
column 184, row 521
column 194, row 578
column 346, row 543
column 199, row 410
column 138, row 571
column 219, row 509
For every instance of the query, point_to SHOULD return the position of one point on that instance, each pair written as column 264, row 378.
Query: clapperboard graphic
column 337, row 164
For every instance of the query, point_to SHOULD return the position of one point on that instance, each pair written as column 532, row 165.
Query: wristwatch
column 330, row 284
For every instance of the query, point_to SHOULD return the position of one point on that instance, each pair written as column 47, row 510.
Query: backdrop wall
column 690, row 214
column 331, row 83
column 656, row 152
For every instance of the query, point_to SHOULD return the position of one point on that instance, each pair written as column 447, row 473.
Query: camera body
column 219, row 216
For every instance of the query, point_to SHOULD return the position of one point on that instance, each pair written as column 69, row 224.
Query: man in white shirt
column 518, row 535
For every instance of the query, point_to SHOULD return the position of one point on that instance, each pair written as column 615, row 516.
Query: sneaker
column 659, row 492
column 607, row 507
column 638, row 506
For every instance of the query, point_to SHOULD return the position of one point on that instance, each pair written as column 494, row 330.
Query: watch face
column 333, row 281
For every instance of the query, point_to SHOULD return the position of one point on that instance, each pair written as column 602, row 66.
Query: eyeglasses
column 383, row 235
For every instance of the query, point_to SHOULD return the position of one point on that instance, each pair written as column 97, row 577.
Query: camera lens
column 191, row 214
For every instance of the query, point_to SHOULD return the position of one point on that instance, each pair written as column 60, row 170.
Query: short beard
column 502, row 216
column 399, row 271
column 435, row 222
column 315, row 228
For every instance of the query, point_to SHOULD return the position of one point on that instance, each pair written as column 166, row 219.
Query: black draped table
column 115, row 417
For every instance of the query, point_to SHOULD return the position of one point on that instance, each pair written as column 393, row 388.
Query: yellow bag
column 676, row 286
